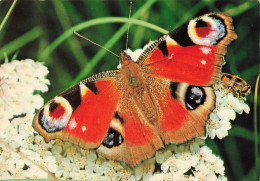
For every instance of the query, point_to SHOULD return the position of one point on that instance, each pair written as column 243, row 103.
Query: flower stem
column 255, row 128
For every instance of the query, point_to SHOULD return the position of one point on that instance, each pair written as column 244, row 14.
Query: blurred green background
column 43, row 31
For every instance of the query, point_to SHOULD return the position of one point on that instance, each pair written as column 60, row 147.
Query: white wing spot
column 203, row 62
column 72, row 124
column 205, row 50
column 84, row 128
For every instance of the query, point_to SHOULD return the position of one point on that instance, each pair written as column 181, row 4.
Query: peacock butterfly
column 164, row 97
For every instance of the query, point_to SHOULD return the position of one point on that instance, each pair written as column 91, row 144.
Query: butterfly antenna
column 130, row 8
column 77, row 34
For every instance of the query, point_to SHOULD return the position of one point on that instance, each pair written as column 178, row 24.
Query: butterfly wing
column 182, row 63
column 81, row 114
column 183, row 109
column 99, row 113
column 193, row 53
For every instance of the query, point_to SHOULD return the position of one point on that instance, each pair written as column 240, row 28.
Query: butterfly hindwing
column 183, row 109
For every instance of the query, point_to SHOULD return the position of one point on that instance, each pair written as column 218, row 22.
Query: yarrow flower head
column 227, row 105
column 20, row 83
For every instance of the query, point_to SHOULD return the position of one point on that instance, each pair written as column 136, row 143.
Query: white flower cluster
column 189, row 162
column 227, row 105
column 20, row 80
column 19, row 83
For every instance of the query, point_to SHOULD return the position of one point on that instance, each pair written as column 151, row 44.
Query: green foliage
column 43, row 30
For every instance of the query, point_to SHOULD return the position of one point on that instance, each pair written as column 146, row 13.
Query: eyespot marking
column 221, row 27
column 53, row 106
column 55, row 115
column 56, row 110
column 207, row 30
column 48, row 124
column 181, row 36
column 200, row 23
column 194, row 97
column 113, row 138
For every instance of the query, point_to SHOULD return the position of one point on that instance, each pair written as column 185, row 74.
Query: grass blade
column 237, row 10
column 20, row 42
column 242, row 132
column 87, row 69
column 233, row 155
column 73, row 44
column 90, row 23
column 7, row 14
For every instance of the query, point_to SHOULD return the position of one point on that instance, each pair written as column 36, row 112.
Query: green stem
column 255, row 129
column 98, row 21
column 7, row 15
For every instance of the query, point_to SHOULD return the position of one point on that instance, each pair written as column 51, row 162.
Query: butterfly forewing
column 81, row 114
column 192, row 53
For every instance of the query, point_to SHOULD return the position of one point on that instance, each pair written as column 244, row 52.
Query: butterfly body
column 164, row 97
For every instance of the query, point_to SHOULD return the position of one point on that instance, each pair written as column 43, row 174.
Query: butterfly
column 164, row 97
